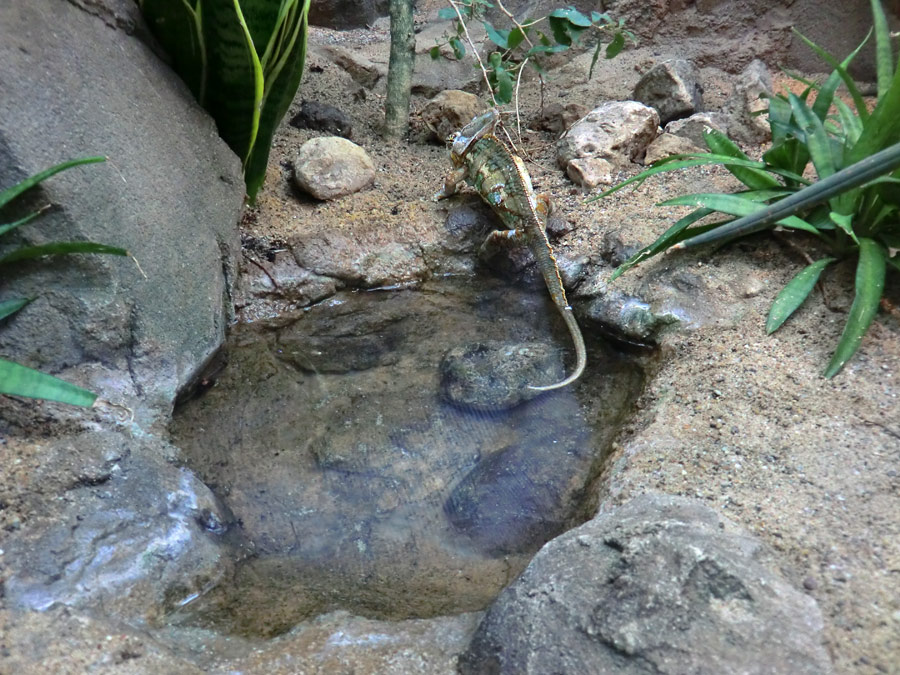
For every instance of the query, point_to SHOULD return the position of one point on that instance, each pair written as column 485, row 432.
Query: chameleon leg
column 499, row 238
column 451, row 183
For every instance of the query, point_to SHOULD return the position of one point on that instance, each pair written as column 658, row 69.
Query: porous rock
column 694, row 127
column 344, row 14
column 746, row 124
column 672, row 88
column 661, row 584
column 617, row 131
column 666, row 145
column 332, row 167
column 450, row 111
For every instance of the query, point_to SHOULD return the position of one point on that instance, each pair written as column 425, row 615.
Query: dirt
column 742, row 420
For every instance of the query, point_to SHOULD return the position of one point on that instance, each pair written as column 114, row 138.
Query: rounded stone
column 332, row 167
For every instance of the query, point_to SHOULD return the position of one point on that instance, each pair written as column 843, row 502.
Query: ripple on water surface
column 356, row 485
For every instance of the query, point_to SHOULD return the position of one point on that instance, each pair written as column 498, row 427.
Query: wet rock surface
column 361, row 488
column 660, row 584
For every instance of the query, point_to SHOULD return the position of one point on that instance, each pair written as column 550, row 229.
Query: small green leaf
column 794, row 294
column 546, row 49
column 59, row 248
column 884, row 57
column 560, row 28
column 498, row 37
column 573, row 16
column 817, row 140
column 446, row 13
column 516, row 37
column 594, row 59
column 597, row 17
column 17, row 380
column 459, row 49
column 8, row 307
column 615, row 47
column 870, row 273
column 435, row 53
column 543, row 39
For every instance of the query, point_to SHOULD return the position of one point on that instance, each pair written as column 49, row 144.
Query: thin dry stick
column 459, row 16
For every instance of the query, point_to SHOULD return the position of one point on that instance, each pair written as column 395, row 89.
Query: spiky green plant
column 243, row 61
column 16, row 379
column 853, row 208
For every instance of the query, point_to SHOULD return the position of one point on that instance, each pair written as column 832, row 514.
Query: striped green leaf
column 755, row 179
column 177, row 26
column 18, row 380
column 794, row 294
column 870, row 273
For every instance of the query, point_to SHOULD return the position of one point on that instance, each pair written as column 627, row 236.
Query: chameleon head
column 481, row 126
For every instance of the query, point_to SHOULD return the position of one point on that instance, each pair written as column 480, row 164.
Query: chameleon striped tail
column 580, row 352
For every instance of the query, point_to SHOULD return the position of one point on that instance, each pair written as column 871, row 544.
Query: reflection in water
column 356, row 485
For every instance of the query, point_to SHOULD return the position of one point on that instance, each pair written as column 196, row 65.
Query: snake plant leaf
column 235, row 86
column 755, row 179
column 851, row 127
column 855, row 94
column 845, row 222
column 59, row 248
column 817, row 140
column 794, row 294
column 848, row 178
column 870, row 273
column 177, row 26
column 8, row 307
column 18, row 380
column 736, row 205
column 884, row 56
column 11, row 193
column 673, row 235
column 284, row 66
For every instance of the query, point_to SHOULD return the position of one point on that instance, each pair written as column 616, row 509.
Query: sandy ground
column 733, row 417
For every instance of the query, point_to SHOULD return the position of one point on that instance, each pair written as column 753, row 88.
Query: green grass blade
column 755, row 179
column 9, row 227
column 676, row 162
column 671, row 236
column 12, row 192
column 825, row 96
column 8, row 307
column 817, row 140
column 794, row 294
column 851, row 177
column 870, row 273
column 59, row 248
column 736, row 205
column 884, row 58
column 17, row 380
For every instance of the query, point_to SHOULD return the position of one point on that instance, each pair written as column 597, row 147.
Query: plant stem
column 400, row 68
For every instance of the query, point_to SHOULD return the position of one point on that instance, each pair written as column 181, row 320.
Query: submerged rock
column 495, row 375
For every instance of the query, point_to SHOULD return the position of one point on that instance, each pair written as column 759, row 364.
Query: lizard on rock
column 485, row 162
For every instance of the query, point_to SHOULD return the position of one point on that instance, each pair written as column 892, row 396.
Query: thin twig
column 475, row 53
column 265, row 271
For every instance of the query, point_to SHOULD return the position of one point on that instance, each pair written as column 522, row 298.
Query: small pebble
column 810, row 584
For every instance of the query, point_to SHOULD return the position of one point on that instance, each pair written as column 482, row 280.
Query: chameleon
column 486, row 163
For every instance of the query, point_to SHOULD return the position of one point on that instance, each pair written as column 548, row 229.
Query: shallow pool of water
column 355, row 484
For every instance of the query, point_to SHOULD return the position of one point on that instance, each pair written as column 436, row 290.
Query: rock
column 323, row 117
column 694, row 127
column 431, row 77
column 450, row 111
column 514, row 500
column 170, row 178
column 495, row 375
column 343, row 14
column 332, row 167
column 667, row 144
column 556, row 118
column 743, row 108
column 362, row 70
column 672, row 88
column 626, row 317
column 618, row 132
column 135, row 537
column 590, row 172
column 660, row 584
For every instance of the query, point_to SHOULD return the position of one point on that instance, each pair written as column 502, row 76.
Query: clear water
column 354, row 484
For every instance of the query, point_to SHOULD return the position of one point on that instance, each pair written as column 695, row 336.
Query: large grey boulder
column 75, row 85
column 661, row 584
